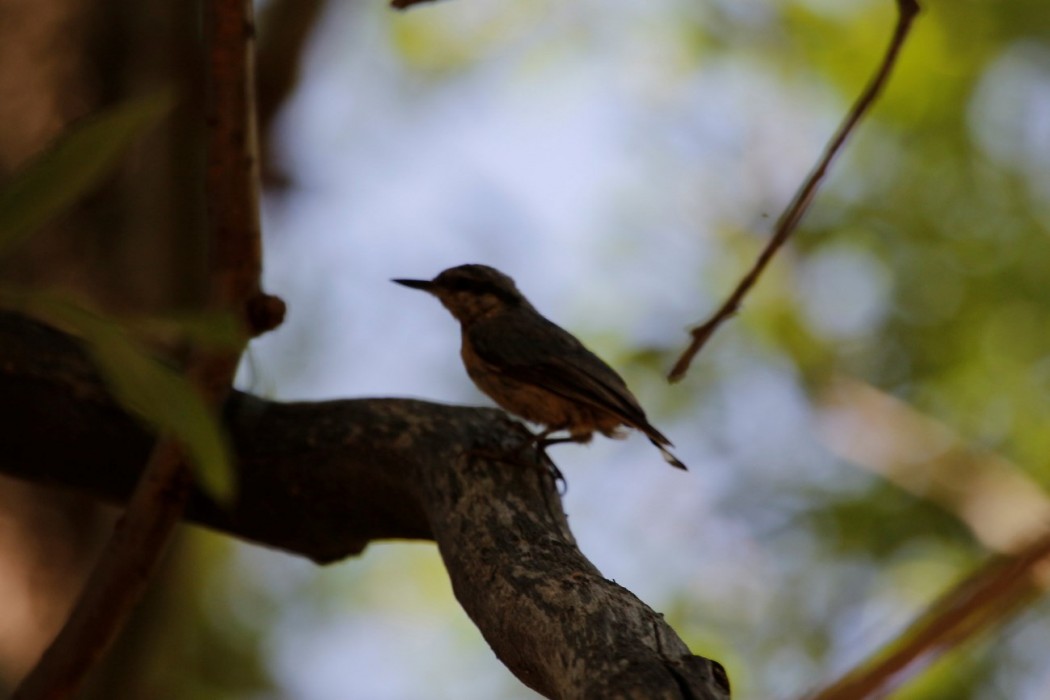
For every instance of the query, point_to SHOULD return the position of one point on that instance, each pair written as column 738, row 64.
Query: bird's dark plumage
column 531, row 366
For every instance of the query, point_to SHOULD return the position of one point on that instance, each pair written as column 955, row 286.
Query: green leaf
column 74, row 165
column 166, row 400
column 219, row 330
column 142, row 384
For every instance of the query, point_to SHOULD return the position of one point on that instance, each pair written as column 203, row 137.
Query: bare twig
column 989, row 596
column 788, row 222
column 405, row 4
column 116, row 582
column 138, row 543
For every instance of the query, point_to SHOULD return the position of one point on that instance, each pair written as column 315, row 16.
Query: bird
column 532, row 367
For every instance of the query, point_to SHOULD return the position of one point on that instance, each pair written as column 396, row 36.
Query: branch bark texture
column 324, row 479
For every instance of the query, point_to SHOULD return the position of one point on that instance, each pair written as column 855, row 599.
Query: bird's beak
column 425, row 285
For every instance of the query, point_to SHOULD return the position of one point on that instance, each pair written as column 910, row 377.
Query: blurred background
column 869, row 429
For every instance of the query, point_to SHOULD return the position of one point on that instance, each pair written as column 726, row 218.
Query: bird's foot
column 517, row 455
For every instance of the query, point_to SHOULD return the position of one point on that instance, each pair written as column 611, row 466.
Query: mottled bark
column 324, row 479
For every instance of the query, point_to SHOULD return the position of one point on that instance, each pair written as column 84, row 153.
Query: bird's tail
column 661, row 443
column 668, row 457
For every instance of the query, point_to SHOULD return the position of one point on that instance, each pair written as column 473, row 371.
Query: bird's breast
column 533, row 401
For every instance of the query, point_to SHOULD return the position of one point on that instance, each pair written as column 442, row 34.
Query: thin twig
column 139, row 540
column 116, row 582
column 788, row 221
column 993, row 593
column 405, row 4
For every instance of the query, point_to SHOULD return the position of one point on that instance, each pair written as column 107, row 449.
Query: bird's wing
column 543, row 354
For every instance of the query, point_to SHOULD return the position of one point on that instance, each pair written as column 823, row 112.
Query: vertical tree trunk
column 136, row 245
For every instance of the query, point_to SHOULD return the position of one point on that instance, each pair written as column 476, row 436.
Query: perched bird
column 532, row 367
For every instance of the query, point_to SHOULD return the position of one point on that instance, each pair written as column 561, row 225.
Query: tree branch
column 324, row 479
column 996, row 591
column 405, row 4
column 789, row 220
column 139, row 541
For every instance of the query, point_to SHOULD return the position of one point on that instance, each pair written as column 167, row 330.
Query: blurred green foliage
column 921, row 270
column 78, row 162
column 935, row 221
column 963, row 238
column 144, row 384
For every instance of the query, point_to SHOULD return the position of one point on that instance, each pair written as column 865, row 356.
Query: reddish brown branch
column 990, row 595
column 116, row 582
column 788, row 222
column 138, row 543
column 232, row 178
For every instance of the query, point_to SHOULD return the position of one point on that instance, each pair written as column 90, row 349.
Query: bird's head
column 472, row 292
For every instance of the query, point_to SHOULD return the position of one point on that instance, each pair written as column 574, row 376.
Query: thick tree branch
column 325, row 479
